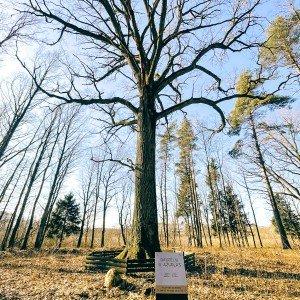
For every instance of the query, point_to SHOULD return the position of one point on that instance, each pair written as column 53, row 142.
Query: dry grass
column 62, row 276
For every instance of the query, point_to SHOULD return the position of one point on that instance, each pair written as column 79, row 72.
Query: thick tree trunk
column 144, row 240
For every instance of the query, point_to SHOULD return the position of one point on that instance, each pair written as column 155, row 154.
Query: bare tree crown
column 157, row 46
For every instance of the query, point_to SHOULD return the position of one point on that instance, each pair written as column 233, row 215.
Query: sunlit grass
column 57, row 275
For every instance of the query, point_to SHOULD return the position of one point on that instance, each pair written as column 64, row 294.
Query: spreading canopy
column 156, row 47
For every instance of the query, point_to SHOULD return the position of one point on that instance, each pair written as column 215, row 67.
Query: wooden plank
column 136, row 270
column 141, row 260
column 105, row 254
column 121, row 270
column 140, row 267
column 140, row 264
column 106, row 265
column 106, row 259
column 97, row 258
column 113, row 264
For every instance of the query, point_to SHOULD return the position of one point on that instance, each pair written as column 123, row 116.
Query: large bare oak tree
column 165, row 52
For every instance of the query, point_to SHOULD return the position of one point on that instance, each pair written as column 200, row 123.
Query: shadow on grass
column 211, row 269
column 12, row 265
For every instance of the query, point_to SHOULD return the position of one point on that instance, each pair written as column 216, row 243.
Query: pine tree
column 244, row 113
column 166, row 143
column 212, row 178
column 282, row 44
column 235, row 220
column 188, row 202
column 186, row 143
column 290, row 220
column 65, row 219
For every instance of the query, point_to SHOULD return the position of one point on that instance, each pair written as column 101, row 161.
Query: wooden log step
column 136, row 270
column 108, row 263
column 150, row 263
column 105, row 259
column 141, row 260
column 104, row 253
column 121, row 270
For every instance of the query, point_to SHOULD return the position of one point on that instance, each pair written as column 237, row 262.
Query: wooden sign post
column 170, row 276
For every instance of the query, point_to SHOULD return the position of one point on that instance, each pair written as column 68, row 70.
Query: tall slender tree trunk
column 123, row 234
column 251, row 230
column 30, row 225
column 11, row 194
column 253, row 212
column 61, row 237
column 94, row 223
column 162, row 207
column 208, row 226
column 81, row 228
column 49, row 205
column 18, row 117
column 283, row 236
column 103, row 224
column 144, row 240
column 36, row 166
column 214, row 210
column 7, row 184
column 87, row 228
column 195, row 202
column 166, row 205
column 13, row 217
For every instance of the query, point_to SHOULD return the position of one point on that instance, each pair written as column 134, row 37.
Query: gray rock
column 112, row 278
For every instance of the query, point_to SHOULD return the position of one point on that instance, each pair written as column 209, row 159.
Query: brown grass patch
column 62, row 276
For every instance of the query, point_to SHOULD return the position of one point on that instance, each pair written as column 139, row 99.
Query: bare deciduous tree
column 157, row 48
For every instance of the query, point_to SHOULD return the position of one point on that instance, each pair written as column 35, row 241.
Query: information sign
column 170, row 276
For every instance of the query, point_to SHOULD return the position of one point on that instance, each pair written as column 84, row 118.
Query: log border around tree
column 104, row 260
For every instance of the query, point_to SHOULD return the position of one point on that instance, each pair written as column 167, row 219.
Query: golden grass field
column 62, row 276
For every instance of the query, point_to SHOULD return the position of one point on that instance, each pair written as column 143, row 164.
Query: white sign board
column 170, row 276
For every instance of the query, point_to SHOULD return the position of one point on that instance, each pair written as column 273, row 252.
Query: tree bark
column 144, row 240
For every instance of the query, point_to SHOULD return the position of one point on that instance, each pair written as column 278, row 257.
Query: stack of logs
column 104, row 260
